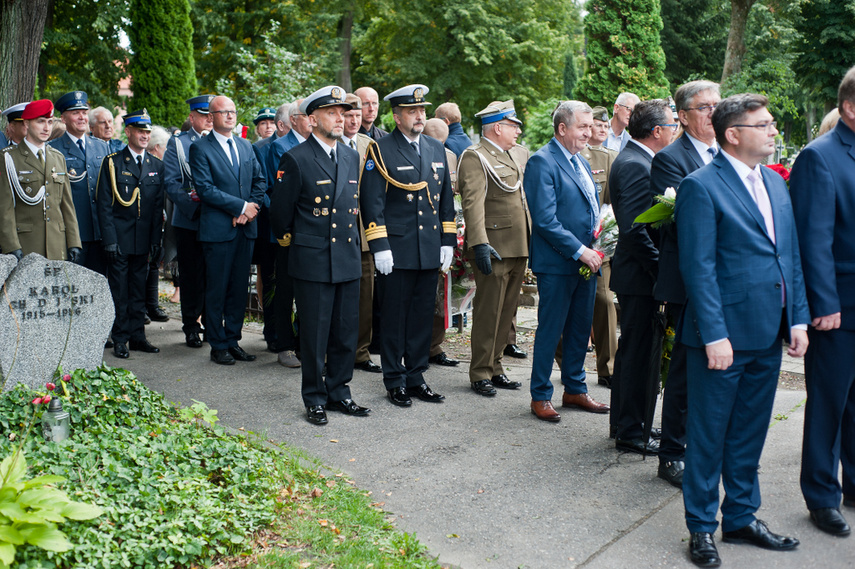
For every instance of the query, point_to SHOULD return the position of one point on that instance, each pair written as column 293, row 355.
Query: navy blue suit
column 315, row 208
column 227, row 247
column 4, row 142
column 273, row 154
column 83, row 174
column 563, row 219
column 185, row 224
column 823, row 190
column 457, row 140
column 733, row 273
column 670, row 166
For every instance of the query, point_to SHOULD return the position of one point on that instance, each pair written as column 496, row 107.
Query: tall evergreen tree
column 826, row 48
column 571, row 75
column 624, row 51
column 162, row 69
column 694, row 50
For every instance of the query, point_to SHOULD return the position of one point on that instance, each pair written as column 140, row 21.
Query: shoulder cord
column 18, row 190
column 381, row 167
column 490, row 173
column 116, row 196
column 182, row 160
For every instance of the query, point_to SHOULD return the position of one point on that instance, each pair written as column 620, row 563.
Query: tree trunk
column 22, row 26
column 345, row 31
column 42, row 71
column 735, row 51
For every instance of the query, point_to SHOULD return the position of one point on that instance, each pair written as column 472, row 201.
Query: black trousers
column 329, row 328
column 675, row 404
column 407, row 299
column 283, row 302
column 93, row 257
column 152, row 302
column 629, row 392
column 265, row 260
column 127, row 285
column 227, row 287
column 191, row 271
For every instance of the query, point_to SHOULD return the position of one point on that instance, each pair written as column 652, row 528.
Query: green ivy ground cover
column 176, row 493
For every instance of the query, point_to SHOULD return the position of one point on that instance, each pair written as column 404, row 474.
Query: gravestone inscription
column 52, row 313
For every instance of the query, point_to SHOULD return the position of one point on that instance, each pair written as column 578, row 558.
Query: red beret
column 36, row 109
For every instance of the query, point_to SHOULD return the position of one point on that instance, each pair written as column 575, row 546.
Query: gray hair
column 159, row 137
column 283, row 113
column 846, row 91
column 565, row 113
column 731, row 110
column 646, row 116
column 626, row 98
column 94, row 113
column 687, row 92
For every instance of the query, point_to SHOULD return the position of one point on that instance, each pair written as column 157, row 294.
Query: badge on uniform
column 152, row 173
column 595, row 172
column 436, row 165
column 401, row 168
column 409, row 197
column 318, row 199
column 325, row 211
column 126, row 174
column 351, row 182
column 72, row 172
column 436, row 176
column 369, row 165
column 316, row 212
column 323, row 182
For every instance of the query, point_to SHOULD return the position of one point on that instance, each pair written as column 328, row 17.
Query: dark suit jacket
column 562, row 218
column 413, row 224
column 273, row 155
column 634, row 265
column 179, row 181
column 83, row 190
column 222, row 194
column 135, row 229
column 375, row 132
column 457, row 140
column 731, row 268
column 315, row 206
column 823, row 191
column 670, row 166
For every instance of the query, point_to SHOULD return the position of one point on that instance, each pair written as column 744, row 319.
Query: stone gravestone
column 51, row 313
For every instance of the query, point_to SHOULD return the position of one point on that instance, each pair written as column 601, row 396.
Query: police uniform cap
column 267, row 113
column 14, row 112
column 138, row 119
column 498, row 111
column 601, row 114
column 409, row 96
column 73, row 101
column 329, row 96
column 354, row 101
column 38, row 109
column 200, row 103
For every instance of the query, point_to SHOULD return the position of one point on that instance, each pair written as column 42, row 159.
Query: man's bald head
column 370, row 105
column 225, row 115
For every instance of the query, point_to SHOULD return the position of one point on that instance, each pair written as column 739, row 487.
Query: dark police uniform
column 130, row 206
column 314, row 211
column 185, row 223
column 83, row 166
column 407, row 208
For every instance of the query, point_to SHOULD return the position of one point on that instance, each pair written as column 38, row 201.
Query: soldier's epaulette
column 50, row 148
column 7, row 148
column 153, row 156
column 177, row 133
column 113, row 154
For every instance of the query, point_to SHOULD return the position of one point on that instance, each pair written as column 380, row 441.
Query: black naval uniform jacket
column 314, row 210
column 138, row 226
column 412, row 223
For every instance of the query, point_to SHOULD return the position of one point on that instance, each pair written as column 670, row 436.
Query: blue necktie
column 713, row 151
column 82, row 148
column 235, row 165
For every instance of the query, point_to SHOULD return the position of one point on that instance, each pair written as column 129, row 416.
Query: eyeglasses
column 510, row 124
column 706, row 109
column 624, row 106
column 767, row 126
column 225, row 113
column 672, row 125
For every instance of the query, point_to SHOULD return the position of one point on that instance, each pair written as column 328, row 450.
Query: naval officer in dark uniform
column 185, row 218
column 409, row 224
column 314, row 211
column 83, row 155
column 130, row 210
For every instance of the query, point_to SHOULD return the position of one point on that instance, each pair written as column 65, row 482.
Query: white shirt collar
column 642, row 146
column 298, row 136
column 327, row 148
column 74, row 139
column 134, row 155
column 224, row 140
column 493, row 143
column 417, row 139
column 702, row 148
column 35, row 149
column 742, row 169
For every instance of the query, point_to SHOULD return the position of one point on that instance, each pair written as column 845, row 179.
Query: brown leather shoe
column 544, row 411
column 584, row 402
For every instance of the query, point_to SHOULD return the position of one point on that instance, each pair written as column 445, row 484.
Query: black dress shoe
column 146, row 320
column 830, row 520
column 240, row 355
column 158, row 314
column 514, row 351
column 316, row 415
column 275, row 347
column 368, row 366
column 143, row 346
column 671, row 471
column 757, row 533
column 108, row 344
column 637, row 445
column 483, row 387
column 702, row 550
column 120, row 350
column 348, row 407
column 504, row 382
column 398, row 396
column 222, row 357
column 605, row 381
column 193, row 340
column 443, row 360
column 425, row 393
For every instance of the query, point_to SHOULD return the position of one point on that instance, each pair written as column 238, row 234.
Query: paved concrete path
column 480, row 481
